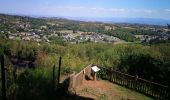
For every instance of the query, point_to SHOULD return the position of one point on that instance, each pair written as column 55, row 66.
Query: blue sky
column 89, row 8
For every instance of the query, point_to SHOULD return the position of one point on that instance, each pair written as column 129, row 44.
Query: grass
column 103, row 96
column 127, row 93
column 89, row 91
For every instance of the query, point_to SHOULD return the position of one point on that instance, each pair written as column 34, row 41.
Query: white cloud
column 147, row 11
column 168, row 10
column 117, row 10
column 94, row 11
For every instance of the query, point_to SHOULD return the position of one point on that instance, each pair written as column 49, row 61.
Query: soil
column 104, row 90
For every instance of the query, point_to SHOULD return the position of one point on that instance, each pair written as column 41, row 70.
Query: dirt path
column 104, row 90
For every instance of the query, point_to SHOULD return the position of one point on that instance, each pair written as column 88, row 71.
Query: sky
column 89, row 8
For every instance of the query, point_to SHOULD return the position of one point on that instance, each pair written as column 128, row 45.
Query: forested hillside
column 149, row 62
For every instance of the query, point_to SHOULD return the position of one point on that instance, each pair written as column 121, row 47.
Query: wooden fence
column 77, row 79
column 146, row 87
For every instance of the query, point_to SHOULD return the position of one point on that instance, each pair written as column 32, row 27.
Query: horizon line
column 89, row 19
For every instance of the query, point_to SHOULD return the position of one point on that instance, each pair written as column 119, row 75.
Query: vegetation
column 29, row 64
column 122, row 34
column 149, row 62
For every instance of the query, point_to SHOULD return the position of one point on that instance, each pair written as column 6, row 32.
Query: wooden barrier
column 77, row 79
column 155, row 90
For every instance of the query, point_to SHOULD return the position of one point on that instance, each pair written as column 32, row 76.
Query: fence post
column 3, row 78
column 15, row 77
column 72, row 81
column 58, row 78
column 54, row 76
column 168, row 93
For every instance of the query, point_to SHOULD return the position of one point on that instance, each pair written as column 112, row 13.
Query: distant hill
column 112, row 20
column 150, row 21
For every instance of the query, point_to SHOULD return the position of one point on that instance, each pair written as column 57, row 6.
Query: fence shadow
column 87, row 77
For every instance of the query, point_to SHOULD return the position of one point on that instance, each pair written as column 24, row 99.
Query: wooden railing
column 77, row 79
column 146, row 87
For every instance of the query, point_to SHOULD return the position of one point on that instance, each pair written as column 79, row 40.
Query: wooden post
column 72, row 81
column 3, row 78
column 94, row 77
column 54, row 76
column 58, row 78
column 53, row 81
column 15, row 77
